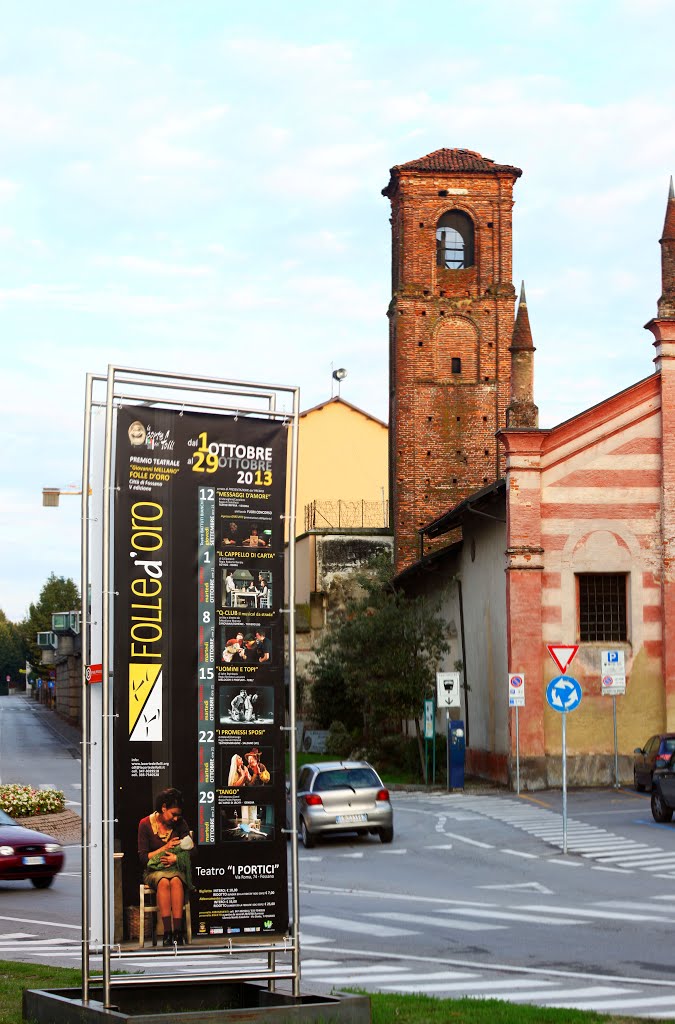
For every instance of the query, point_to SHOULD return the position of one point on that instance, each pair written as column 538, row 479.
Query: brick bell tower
column 451, row 322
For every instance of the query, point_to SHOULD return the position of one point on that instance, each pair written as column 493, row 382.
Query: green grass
column 395, row 1009
column 386, row 1009
column 15, row 977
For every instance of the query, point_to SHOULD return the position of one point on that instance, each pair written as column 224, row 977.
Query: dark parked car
column 656, row 753
column 342, row 796
column 28, row 854
column 663, row 792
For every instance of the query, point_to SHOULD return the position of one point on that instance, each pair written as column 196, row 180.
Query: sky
column 195, row 187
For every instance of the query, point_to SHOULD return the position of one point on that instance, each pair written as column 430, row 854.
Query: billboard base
column 219, row 1001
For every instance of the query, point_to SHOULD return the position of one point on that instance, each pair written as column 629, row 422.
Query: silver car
column 342, row 796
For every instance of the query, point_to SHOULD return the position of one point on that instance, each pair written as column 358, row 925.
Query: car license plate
column 347, row 819
column 30, row 861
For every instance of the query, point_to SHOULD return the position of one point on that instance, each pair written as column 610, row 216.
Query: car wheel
column 660, row 810
column 308, row 839
column 386, row 835
column 44, row 882
column 637, row 784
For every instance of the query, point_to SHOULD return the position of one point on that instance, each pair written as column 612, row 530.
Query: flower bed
column 24, row 801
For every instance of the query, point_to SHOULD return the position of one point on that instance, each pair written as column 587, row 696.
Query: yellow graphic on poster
column 145, row 701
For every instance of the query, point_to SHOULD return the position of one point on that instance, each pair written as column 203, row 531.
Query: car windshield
column 6, row 820
column 668, row 745
column 345, row 778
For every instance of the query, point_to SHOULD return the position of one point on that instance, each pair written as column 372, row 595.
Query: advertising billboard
column 199, row 701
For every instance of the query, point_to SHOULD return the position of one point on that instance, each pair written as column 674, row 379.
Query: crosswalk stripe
column 504, row 985
column 431, row 922
column 359, row 927
column 653, row 908
column 640, row 1001
column 564, row 996
column 509, row 916
column 591, row 842
column 613, row 915
column 351, row 972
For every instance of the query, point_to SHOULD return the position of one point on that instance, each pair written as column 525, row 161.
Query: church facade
column 569, row 541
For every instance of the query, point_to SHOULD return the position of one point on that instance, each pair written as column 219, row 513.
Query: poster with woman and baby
column 198, row 685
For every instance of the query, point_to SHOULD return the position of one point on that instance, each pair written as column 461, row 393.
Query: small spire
column 523, row 300
column 669, row 223
column 666, row 304
column 522, row 334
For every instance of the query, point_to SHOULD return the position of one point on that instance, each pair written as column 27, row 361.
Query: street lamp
column 50, row 496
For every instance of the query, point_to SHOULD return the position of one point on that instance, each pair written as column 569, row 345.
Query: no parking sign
column 516, row 690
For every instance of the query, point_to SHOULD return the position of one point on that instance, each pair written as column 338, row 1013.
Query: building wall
column 600, row 512
column 342, row 455
column 482, row 567
column 443, row 425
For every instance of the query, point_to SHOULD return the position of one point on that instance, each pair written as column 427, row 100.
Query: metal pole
column 616, row 748
column 295, row 885
column 84, row 633
column 105, row 683
column 433, row 744
column 564, row 780
column 517, row 756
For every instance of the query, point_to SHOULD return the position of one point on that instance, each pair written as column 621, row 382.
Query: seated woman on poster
column 164, row 843
column 239, row 774
column 254, row 540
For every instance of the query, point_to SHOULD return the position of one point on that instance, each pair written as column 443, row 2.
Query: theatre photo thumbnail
column 247, row 705
column 240, row 533
column 246, row 766
column 246, row 586
column 245, row 646
column 246, row 823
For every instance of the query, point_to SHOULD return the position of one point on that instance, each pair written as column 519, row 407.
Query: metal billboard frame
column 229, row 396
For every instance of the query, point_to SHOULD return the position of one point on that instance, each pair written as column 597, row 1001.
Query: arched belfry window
column 454, row 241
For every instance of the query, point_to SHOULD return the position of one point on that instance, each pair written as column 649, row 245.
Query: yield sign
column 562, row 654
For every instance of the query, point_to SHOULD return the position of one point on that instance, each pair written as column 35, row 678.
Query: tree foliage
column 12, row 654
column 377, row 662
column 59, row 594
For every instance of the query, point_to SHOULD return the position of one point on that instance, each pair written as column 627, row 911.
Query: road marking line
column 462, row 926
column 616, row 871
column 471, row 842
column 521, row 853
column 48, row 924
column 331, row 923
column 503, row 985
column 565, row 996
column 612, row 915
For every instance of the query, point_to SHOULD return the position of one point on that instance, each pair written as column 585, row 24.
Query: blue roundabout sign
column 564, row 694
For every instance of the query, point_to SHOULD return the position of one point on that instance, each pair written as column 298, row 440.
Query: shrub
column 24, row 801
column 340, row 740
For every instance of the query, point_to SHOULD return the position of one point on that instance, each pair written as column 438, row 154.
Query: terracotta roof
column 456, row 160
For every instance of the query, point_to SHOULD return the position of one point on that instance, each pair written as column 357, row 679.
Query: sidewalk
column 70, row 735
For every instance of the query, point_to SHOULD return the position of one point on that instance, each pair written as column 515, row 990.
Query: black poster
column 199, row 661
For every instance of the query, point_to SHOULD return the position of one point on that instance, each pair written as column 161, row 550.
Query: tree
column 58, row 594
column 12, row 655
column 377, row 662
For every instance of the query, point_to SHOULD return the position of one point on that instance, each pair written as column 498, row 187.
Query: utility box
column 456, row 754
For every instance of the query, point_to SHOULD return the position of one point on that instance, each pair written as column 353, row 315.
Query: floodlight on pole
column 51, row 495
column 339, row 375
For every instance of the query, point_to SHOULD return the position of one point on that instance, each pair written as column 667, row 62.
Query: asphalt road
column 473, row 897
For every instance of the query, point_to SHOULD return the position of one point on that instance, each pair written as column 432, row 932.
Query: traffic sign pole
column 564, row 779
column 517, row 756
column 564, row 695
column 616, row 747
